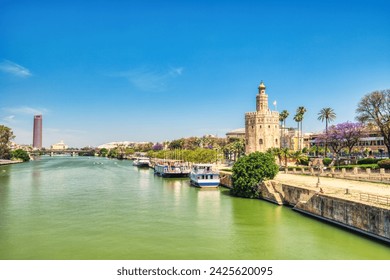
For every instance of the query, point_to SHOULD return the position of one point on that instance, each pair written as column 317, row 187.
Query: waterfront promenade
column 6, row 161
column 342, row 188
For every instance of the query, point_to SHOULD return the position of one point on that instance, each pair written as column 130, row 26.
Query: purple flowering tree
column 342, row 135
column 157, row 147
column 351, row 134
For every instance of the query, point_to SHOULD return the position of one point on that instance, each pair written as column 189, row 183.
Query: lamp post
column 319, row 166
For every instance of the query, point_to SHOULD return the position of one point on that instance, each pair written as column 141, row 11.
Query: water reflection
column 209, row 201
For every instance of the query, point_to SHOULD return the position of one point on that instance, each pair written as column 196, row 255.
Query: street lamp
column 319, row 166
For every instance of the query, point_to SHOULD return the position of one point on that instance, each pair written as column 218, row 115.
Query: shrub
column 368, row 160
column 304, row 161
column 20, row 154
column 326, row 161
column 385, row 163
column 362, row 166
column 249, row 171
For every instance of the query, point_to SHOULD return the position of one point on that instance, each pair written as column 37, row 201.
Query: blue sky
column 102, row 71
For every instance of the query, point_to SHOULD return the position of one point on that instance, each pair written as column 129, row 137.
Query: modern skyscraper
column 37, row 132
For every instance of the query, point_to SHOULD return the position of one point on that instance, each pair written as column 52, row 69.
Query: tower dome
column 261, row 86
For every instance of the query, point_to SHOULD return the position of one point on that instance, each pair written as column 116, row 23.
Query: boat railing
column 206, row 171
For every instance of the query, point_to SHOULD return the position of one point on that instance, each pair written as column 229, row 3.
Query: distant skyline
column 103, row 71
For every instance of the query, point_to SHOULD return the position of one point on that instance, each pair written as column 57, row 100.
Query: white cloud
column 25, row 110
column 151, row 80
column 9, row 119
column 176, row 71
column 12, row 68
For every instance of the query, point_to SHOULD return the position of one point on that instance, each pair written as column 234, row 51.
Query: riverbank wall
column 6, row 161
column 368, row 219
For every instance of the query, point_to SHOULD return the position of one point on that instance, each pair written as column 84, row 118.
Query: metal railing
column 385, row 200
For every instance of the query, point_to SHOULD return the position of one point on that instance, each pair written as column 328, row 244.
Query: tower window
column 261, row 141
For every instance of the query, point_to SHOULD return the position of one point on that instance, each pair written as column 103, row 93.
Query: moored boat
column 172, row 169
column 204, row 176
column 141, row 162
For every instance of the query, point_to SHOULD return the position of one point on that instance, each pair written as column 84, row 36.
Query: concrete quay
column 363, row 207
column 6, row 161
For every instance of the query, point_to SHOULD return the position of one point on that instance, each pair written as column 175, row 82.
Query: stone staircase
column 268, row 191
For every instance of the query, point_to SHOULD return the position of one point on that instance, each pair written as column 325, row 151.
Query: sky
column 103, row 71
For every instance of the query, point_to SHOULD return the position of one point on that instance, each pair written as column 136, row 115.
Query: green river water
column 94, row 208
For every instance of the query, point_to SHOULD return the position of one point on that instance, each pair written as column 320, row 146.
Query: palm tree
column 328, row 115
column 301, row 110
column 298, row 118
column 285, row 154
column 276, row 152
column 298, row 156
column 282, row 118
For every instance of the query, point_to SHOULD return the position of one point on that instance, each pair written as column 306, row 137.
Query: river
column 96, row 208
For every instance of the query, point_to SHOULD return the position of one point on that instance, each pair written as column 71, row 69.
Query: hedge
column 385, row 163
column 368, row 160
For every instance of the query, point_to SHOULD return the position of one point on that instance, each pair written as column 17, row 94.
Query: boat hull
column 171, row 175
column 142, row 165
column 205, row 183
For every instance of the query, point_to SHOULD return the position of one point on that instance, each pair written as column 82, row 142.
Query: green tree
column 285, row 154
column 20, row 154
column 298, row 118
column 301, row 112
column 282, row 118
column 235, row 148
column 103, row 152
column 176, row 144
column 299, row 157
column 328, row 115
column 276, row 152
column 113, row 153
column 6, row 135
column 249, row 171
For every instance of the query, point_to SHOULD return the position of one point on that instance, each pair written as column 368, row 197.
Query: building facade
column 60, row 146
column 261, row 127
column 238, row 133
column 37, row 132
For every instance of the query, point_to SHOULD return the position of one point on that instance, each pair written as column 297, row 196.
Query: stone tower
column 262, row 126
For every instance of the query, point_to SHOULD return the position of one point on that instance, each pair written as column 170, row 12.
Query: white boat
column 172, row 169
column 204, row 176
column 141, row 162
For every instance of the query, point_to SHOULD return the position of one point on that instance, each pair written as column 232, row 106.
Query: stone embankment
column 356, row 173
column 6, row 161
column 342, row 202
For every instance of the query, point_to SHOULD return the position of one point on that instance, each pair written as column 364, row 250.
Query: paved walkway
column 337, row 187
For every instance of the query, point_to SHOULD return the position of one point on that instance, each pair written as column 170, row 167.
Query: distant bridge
column 52, row 152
